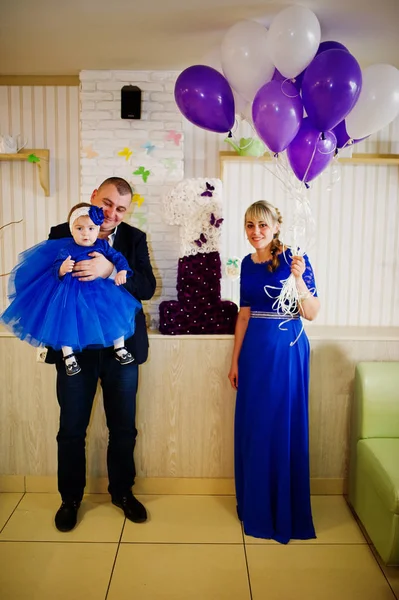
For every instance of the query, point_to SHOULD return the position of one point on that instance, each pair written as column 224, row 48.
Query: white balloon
column 378, row 102
column 213, row 59
column 293, row 40
column 245, row 60
column 239, row 103
column 247, row 114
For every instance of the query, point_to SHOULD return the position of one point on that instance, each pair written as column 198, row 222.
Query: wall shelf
column 371, row 159
column 356, row 159
column 42, row 165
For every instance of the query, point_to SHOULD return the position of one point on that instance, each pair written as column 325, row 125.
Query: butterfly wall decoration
column 90, row 153
column 126, row 152
column 148, row 147
column 174, row 136
column 32, row 158
column 209, row 189
column 145, row 173
column 214, row 221
column 169, row 164
column 137, row 199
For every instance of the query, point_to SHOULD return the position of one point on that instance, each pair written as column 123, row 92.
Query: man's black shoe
column 133, row 509
column 67, row 515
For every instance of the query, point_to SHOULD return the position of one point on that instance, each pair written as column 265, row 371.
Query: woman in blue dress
column 270, row 371
column 51, row 307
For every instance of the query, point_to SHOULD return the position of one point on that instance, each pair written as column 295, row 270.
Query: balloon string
column 287, row 303
column 310, row 163
column 303, row 210
column 335, row 161
column 331, row 151
column 278, row 177
column 348, row 142
column 285, row 94
column 283, row 173
column 287, row 187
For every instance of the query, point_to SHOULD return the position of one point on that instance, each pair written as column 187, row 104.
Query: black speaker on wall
column 130, row 102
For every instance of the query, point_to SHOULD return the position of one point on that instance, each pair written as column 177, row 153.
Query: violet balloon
column 277, row 114
column 330, row 45
column 342, row 136
column 309, row 154
column 322, row 48
column 205, row 98
column 331, row 87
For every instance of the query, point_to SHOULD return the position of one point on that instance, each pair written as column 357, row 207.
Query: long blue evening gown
column 271, row 419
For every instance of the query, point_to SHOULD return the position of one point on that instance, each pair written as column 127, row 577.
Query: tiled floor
column 191, row 548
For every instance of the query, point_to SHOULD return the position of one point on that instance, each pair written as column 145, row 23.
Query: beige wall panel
column 185, row 408
column 47, row 117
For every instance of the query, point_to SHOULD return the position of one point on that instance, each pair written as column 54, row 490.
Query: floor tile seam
column 115, row 559
column 15, row 508
column 303, row 545
column 186, row 542
column 383, row 572
column 18, row 541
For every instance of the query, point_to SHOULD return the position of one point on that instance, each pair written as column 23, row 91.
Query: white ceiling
column 62, row 37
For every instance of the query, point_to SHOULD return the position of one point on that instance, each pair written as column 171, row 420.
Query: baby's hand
column 66, row 266
column 120, row 277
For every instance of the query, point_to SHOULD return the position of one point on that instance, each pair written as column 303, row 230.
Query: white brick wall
column 103, row 130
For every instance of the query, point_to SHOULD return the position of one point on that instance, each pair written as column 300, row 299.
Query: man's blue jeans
column 75, row 396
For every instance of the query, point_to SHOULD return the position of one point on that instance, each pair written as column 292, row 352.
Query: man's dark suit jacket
column 132, row 243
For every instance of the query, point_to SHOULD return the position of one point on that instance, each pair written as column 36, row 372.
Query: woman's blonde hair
column 264, row 211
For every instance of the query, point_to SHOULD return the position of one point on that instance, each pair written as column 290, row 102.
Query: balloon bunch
column 305, row 100
column 281, row 74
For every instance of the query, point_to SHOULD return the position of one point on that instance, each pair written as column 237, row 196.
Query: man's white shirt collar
column 111, row 237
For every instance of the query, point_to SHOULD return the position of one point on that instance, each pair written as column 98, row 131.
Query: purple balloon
column 331, row 87
column 342, row 135
column 205, row 98
column 331, row 46
column 298, row 80
column 309, row 154
column 277, row 114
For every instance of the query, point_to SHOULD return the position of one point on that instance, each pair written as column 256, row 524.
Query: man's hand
column 120, row 277
column 88, row 270
column 66, row 266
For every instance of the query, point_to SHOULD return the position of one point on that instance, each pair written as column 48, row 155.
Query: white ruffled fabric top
column 199, row 217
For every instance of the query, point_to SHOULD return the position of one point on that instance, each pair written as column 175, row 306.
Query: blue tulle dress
column 271, row 419
column 52, row 311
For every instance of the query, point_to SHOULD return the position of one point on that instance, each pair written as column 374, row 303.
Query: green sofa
column 374, row 458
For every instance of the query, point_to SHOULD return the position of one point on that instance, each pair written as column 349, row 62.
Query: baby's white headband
column 94, row 212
